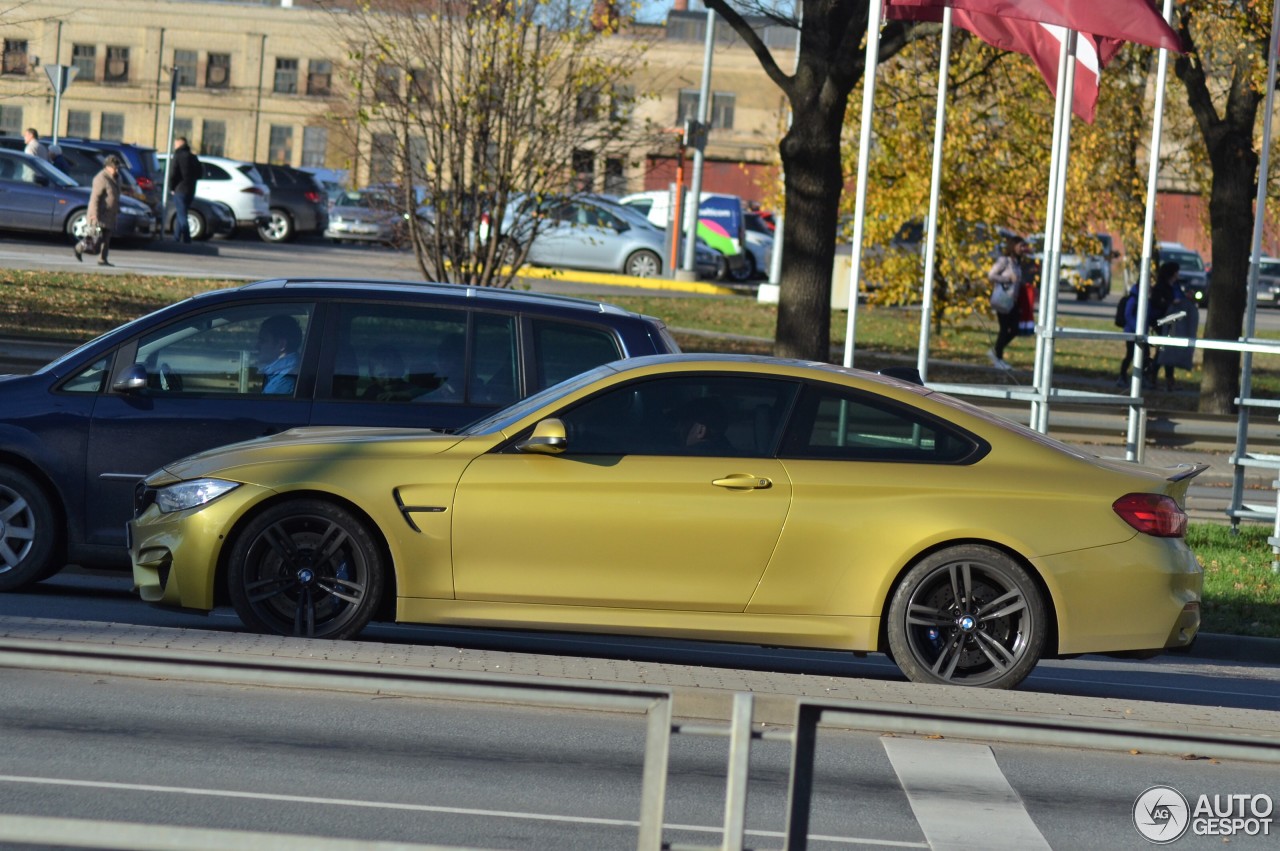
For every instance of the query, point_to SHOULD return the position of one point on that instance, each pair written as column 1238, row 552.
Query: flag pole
column 1255, row 261
column 931, row 222
column 1061, row 114
column 1135, row 434
column 864, row 149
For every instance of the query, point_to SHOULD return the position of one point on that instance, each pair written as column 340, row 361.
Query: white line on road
column 423, row 808
column 961, row 798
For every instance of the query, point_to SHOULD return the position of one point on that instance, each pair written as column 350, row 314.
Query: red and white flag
column 1037, row 29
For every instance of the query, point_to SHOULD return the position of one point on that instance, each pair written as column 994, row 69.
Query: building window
column 382, row 158
column 420, row 89
column 112, row 127
column 587, row 106
column 184, row 65
column 615, row 177
column 722, row 110
column 11, row 120
column 79, row 123
column 286, row 77
column 183, row 127
column 584, row 168
column 117, row 68
column 623, row 103
column 687, row 106
column 315, row 146
column 217, row 71
column 15, row 56
column 320, row 77
column 213, row 138
column 386, row 84
column 85, row 59
column 280, row 145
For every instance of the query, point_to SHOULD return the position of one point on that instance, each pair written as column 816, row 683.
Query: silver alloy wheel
column 78, row 225
column 279, row 229
column 644, row 264
column 18, row 528
column 195, row 225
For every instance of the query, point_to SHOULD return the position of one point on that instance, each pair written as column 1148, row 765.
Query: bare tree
column 484, row 109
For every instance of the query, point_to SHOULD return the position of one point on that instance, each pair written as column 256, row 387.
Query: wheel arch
column 1050, row 604
column 385, row 609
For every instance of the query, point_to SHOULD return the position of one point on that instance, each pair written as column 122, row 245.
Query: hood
column 304, row 443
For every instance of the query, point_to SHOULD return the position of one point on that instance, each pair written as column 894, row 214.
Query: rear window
column 251, row 173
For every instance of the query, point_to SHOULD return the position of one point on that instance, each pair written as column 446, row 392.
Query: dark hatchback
column 298, row 205
column 78, row 434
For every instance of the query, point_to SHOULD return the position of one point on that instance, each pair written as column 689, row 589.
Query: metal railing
column 654, row 704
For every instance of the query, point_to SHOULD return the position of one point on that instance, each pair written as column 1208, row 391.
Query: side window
column 836, row 425
column 495, row 362
column 239, row 351
column 562, row 350
column 209, row 171
column 697, row 415
column 89, row 379
column 394, row 353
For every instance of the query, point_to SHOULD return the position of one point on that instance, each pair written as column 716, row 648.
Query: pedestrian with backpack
column 1005, row 277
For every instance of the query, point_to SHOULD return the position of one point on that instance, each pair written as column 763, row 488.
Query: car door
column 25, row 203
column 634, row 514
column 210, row 380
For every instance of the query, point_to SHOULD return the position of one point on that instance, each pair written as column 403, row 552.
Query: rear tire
column 968, row 615
column 279, row 229
column 643, row 264
column 26, row 532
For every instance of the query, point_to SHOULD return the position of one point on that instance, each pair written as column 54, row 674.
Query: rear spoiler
column 1183, row 472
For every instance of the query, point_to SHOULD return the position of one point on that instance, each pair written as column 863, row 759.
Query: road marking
column 423, row 808
column 960, row 797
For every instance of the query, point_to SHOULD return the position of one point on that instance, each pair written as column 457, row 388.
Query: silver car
column 364, row 216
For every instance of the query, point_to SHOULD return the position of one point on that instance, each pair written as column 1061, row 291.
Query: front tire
column 26, row 532
column 279, row 229
column 968, row 615
column 308, row 568
column 77, row 226
column 643, row 264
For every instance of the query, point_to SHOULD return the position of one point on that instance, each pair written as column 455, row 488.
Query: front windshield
column 500, row 420
column 1189, row 261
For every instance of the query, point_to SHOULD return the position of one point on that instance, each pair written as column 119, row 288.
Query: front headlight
column 190, row 494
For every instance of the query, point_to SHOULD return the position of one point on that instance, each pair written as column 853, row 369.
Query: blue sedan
column 36, row 196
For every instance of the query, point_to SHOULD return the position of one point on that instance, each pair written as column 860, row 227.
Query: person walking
column 34, row 146
column 104, row 207
column 1006, row 283
column 184, row 171
column 1181, row 318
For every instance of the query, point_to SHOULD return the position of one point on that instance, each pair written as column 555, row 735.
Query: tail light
column 145, row 183
column 312, row 196
column 1152, row 514
column 254, row 190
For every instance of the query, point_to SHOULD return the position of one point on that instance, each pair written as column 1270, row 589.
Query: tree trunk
column 811, row 159
column 1235, row 165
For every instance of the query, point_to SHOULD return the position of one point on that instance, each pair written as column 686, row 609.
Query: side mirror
column 40, row 180
column 548, row 438
column 131, row 380
column 622, row 227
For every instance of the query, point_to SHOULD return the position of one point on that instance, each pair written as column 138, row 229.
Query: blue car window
column 234, row 351
column 399, row 353
column 564, row 349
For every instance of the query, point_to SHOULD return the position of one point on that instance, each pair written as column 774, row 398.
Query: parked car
column 236, row 184
column 205, row 219
column 1193, row 277
column 78, row 434
column 141, row 160
column 82, row 163
column 365, row 216
column 1269, row 281
column 584, row 232
column 298, row 204
column 723, row 497
column 1086, row 275
column 721, row 224
column 36, row 196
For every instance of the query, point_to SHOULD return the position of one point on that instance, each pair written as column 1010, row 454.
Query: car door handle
column 743, row 482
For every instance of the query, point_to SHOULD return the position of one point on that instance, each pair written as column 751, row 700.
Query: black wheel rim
column 968, row 623
column 17, row 529
column 305, row 576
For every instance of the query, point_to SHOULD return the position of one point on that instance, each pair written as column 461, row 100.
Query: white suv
column 236, row 184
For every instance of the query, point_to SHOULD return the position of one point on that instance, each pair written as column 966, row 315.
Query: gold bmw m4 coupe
column 716, row 497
